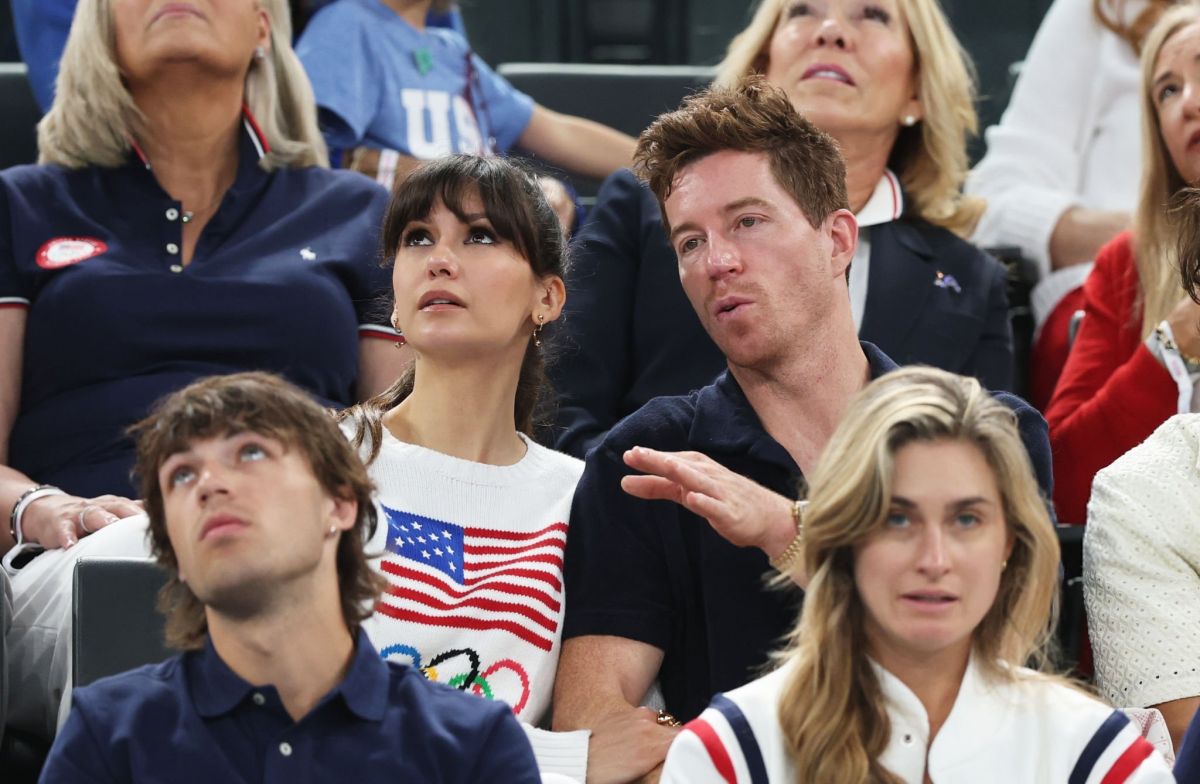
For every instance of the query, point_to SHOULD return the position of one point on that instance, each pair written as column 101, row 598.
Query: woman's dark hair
column 519, row 213
column 1186, row 206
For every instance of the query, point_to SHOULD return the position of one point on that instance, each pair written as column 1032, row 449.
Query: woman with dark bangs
column 476, row 512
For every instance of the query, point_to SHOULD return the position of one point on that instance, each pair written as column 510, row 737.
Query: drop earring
column 400, row 341
column 537, row 331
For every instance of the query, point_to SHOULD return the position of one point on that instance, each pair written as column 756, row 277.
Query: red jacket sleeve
column 1112, row 393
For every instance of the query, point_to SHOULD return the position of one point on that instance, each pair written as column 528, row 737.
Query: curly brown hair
column 753, row 117
column 269, row 406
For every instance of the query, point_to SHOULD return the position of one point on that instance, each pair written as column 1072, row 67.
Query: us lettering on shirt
column 440, row 123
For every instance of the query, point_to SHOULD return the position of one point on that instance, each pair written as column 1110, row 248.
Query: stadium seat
column 625, row 97
column 18, row 130
column 115, row 624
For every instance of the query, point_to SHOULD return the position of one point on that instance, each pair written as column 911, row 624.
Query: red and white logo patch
column 65, row 251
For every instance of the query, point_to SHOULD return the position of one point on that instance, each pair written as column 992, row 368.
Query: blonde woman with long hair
column 890, row 83
column 1061, row 172
column 934, row 570
column 1137, row 352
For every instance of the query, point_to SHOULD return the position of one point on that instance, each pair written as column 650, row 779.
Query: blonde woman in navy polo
column 182, row 223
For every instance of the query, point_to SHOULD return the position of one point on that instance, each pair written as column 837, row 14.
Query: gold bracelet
column 783, row 562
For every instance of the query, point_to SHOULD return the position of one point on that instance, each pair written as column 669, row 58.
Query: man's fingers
column 679, row 467
column 651, row 488
column 705, row 506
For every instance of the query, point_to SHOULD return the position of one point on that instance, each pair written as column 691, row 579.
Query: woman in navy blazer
column 918, row 290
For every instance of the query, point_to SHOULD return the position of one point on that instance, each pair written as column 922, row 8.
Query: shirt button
column 285, row 749
column 176, row 268
column 172, row 214
column 259, row 699
column 172, row 248
column 908, row 739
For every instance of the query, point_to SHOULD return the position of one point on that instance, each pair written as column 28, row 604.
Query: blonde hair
column 1155, row 228
column 94, row 118
column 931, row 157
column 832, row 712
column 1132, row 31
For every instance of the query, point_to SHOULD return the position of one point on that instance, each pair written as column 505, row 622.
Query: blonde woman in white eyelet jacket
column 933, row 568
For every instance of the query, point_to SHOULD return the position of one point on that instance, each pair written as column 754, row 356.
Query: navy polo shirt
column 654, row 572
column 285, row 278
column 192, row 719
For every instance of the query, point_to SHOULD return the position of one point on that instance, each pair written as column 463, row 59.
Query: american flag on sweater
column 443, row 574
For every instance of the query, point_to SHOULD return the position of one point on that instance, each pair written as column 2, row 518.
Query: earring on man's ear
column 909, row 120
column 1004, row 564
column 537, row 331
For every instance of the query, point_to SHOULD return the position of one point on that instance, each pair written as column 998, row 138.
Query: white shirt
column 1141, row 568
column 1070, row 137
column 885, row 205
column 1030, row 730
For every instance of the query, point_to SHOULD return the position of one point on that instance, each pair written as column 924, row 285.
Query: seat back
column 116, row 625
column 20, row 113
column 625, row 97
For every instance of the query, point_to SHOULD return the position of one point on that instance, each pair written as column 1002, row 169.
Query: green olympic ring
column 458, row 680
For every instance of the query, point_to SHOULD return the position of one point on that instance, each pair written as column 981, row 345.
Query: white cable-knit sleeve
column 560, row 755
column 1031, row 171
column 1141, row 556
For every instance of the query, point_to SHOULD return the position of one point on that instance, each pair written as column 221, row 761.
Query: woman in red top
column 1137, row 354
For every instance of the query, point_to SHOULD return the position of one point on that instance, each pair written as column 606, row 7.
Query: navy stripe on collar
column 1100, row 741
column 745, row 735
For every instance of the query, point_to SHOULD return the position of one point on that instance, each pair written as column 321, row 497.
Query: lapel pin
column 944, row 281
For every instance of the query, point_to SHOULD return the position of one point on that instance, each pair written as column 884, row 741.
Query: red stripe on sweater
column 405, row 573
column 464, row 622
column 490, row 533
column 1128, row 762
column 715, row 748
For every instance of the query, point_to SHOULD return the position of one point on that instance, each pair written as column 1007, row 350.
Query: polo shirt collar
column 725, row 422
column 218, row 690
column 886, row 203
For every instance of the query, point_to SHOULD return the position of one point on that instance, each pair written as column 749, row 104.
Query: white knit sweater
column 1141, row 569
column 473, row 556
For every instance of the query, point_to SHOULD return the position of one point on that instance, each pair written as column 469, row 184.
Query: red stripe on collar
column 256, row 130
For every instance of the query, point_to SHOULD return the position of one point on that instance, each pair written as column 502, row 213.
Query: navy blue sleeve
column 1187, row 762
column 505, row 756
column 593, row 373
column 77, row 755
column 992, row 360
column 1035, row 436
column 616, row 570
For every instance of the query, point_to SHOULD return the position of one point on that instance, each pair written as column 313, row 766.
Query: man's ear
column 343, row 510
column 843, row 234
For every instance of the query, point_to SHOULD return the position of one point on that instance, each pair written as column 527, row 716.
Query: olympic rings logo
column 483, row 682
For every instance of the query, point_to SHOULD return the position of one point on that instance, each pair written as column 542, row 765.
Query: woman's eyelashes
column 415, row 237
column 479, row 234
